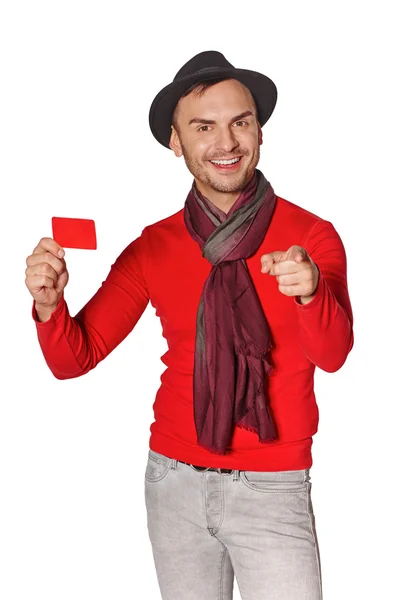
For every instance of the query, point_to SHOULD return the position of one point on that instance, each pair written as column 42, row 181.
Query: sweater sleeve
column 326, row 322
column 72, row 346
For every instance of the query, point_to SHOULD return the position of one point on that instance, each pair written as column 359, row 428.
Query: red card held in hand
column 74, row 233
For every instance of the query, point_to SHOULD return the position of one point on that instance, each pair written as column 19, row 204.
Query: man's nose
column 226, row 139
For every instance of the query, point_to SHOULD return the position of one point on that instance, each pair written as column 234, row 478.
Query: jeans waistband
column 300, row 475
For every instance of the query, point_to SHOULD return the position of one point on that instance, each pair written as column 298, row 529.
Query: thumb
column 267, row 260
column 297, row 254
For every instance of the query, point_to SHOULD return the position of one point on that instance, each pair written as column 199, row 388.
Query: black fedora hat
column 202, row 67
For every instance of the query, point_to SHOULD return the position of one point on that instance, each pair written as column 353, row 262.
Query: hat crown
column 205, row 61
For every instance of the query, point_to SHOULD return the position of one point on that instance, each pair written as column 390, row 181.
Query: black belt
column 197, row 468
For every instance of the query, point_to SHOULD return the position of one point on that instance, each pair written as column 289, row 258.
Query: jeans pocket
column 157, row 467
column 275, row 482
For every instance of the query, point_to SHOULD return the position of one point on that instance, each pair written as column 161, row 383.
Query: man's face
column 220, row 125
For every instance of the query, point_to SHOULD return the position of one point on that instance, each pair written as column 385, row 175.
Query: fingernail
column 61, row 253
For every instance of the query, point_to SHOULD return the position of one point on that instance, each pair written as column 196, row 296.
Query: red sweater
column 164, row 265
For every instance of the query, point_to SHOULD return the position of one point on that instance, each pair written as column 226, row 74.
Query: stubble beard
column 231, row 185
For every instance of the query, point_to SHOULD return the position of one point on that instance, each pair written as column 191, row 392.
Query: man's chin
column 227, row 187
column 228, row 183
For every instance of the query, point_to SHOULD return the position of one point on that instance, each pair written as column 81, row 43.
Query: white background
column 77, row 81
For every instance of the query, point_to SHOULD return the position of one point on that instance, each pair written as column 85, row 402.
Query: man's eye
column 241, row 123
column 203, row 127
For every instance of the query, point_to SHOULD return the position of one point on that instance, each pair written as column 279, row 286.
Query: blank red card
column 74, row 233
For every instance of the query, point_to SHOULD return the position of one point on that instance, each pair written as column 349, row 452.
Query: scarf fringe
column 247, row 427
column 253, row 430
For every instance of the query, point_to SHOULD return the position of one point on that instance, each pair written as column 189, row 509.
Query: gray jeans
column 207, row 527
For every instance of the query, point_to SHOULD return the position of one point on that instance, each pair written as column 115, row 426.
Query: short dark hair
column 199, row 88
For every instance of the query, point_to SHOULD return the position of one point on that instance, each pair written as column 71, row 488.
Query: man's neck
column 222, row 200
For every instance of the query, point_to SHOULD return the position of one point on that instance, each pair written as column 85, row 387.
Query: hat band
column 210, row 69
column 205, row 70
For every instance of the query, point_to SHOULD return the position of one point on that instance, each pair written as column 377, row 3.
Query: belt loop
column 174, row 464
column 235, row 475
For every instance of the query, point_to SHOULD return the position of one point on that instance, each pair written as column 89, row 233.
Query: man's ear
column 174, row 142
column 260, row 134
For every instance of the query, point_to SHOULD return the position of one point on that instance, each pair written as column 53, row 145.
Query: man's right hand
column 46, row 276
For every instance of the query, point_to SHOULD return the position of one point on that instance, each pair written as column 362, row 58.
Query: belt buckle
column 225, row 471
column 201, row 469
column 219, row 470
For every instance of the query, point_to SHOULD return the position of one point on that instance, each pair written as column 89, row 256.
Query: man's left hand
column 295, row 271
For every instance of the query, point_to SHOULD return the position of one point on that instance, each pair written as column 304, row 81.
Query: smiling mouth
column 226, row 162
column 228, row 165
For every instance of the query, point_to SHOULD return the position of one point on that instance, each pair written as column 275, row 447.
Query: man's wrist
column 44, row 313
column 310, row 297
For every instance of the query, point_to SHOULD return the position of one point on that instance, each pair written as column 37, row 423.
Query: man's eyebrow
column 246, row 113
column 204, row 121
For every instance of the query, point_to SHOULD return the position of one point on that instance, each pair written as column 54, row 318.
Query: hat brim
column 262, row 88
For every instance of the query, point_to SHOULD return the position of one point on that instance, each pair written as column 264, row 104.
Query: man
column 252, row 294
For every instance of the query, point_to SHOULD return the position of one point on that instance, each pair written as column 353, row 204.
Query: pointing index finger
column 286, row 267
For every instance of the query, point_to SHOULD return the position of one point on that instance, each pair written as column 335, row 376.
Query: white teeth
column 225, row 162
